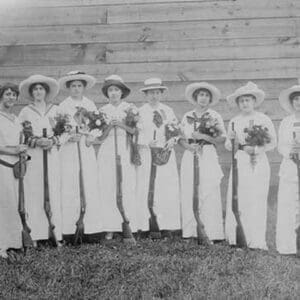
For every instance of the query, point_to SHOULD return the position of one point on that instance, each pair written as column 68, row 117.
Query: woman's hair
column 43, row 84
column 293, row 95
column 196, row 93
column 247, row 95
column 7, row 86
column 68, row 83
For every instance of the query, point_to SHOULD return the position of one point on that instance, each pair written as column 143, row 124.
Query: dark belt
column 241, row 147
column 199, row 142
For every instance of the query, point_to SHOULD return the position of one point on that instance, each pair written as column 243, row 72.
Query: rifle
column 47, row 205
column 153, row 224
column 240, row 234
column 201, row 234
column 126, row 230
column 26, row 238
column 296, row 160
column 78, row 237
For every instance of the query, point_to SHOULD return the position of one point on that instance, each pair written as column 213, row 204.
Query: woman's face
column 296, row 103
column 39, row 93
column 114, row 94
column 76, row 89
column 8, row 99
column 154, row 96
column 246, row 103
column 203, row 98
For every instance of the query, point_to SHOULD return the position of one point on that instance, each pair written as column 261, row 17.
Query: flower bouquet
column 27, row 131
column 206, row 124
column 131, row 119
column 257, row 136
column 172, row 130
column 61, row 124
column 96, row 120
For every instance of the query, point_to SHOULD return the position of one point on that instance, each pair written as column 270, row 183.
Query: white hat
column 249, row 89
column 77, row 75
column 117, row 81
column 191, row 88
column 284, row 98
column 27, row 83
column 153, row 84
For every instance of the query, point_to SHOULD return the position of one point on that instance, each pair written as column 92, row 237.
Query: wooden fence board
column 65, row 54
column 203, row 11
column 165, row 31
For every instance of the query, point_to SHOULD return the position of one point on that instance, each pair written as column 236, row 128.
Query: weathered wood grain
column 164, row 31
column 86, row 53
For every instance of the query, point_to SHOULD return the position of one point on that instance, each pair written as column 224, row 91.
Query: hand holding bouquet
column 27, row 131
column 61, row 123
column 132, row 116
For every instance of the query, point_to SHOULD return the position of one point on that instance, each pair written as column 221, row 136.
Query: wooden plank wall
column 225, row 42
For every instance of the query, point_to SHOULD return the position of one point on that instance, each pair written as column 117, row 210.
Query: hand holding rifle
column 47, row 205
column 127, row 233
column 240, row 234
column 201, row 234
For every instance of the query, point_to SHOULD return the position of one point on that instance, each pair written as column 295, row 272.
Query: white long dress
column 288, row 205
column 166, row 191
column 112, row 220
column 10, row 224
column 253, row 185
column 34, row 178
column 210, row 204
column 70, row 177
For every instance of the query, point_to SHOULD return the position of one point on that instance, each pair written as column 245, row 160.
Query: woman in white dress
column 253, row 180
column 115, row 90
column 202, row 95
column 10, row 223
column 288, row 207
column 40, row 91
column 154, row 115
column 76, row 83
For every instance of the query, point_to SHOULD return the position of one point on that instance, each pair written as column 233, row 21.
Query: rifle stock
column 126, row 230
column 47, row 205
column 79, row 233
column 26, row 238
column 240, row 234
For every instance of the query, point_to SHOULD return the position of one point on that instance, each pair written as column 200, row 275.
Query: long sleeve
column 284, row 138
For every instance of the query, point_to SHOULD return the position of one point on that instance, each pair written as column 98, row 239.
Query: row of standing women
column 172, row 194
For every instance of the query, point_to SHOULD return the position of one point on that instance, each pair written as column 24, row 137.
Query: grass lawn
column 169, row 268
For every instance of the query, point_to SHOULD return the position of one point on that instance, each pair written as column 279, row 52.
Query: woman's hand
column 44, row 143
column 20, row 149
column 201, row 136
column 153, row 144
column 117, row 123
column 249, row 149
column 75, row 138
column 171, row 143
column 231, row 134
column 89, row 140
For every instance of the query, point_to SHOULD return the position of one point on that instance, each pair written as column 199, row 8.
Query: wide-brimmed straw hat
column 153, row 84
column 27, row 83
column 191, row 88
column 284, row 98
column 117, row 81
column 77, row 75
column 249, row 89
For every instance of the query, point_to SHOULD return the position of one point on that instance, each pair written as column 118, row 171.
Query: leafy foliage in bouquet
column 206, row 124
column 27, row 130
column 92, row 119
column 257, row 135
column 62, row 124
column 132, row 116
column 172, row 129
column 157, row 119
